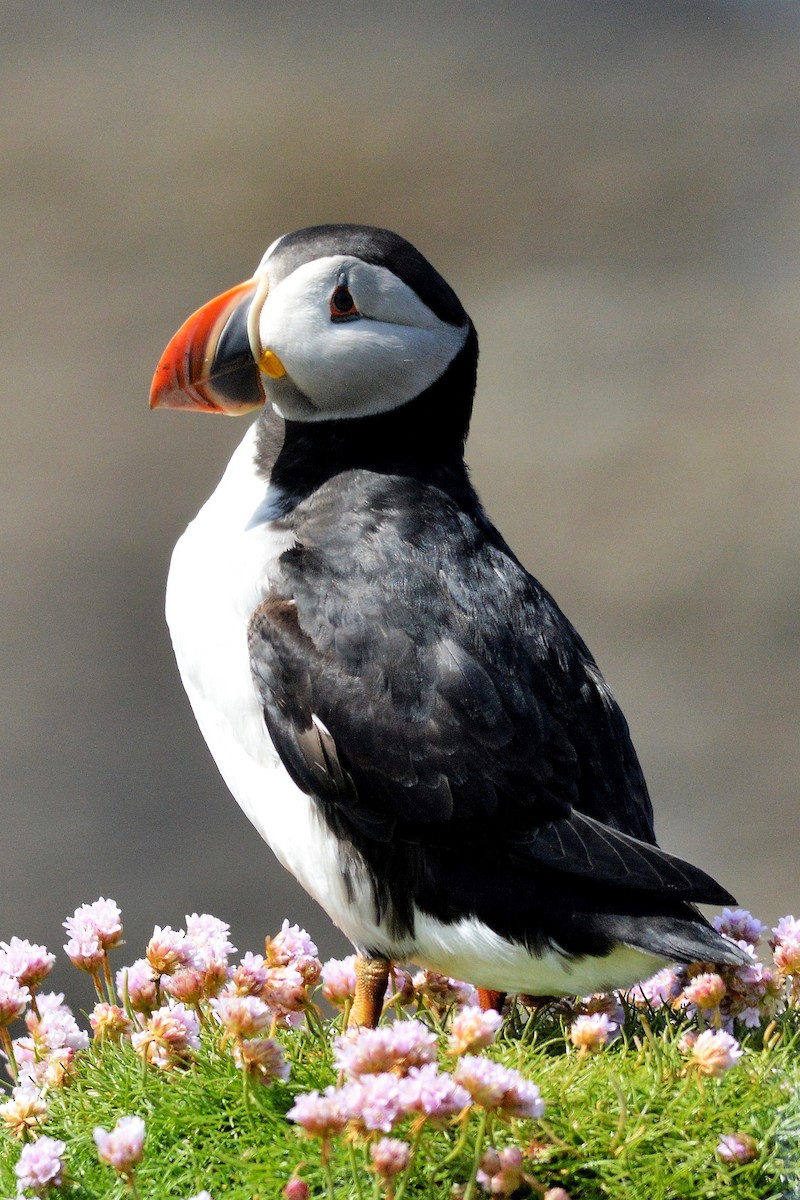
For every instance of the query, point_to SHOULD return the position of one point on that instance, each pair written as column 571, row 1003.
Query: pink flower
column 556, row 1193
column 785, row 945
column 389, row 1157
column 592, row 1031
column 433, row 1094
column 787, row 957
column 188, row 985
column 43, row 1068
column 168, row 1037
column 296, row 1189
column 137, row 982
column 714, row 1052
column 608, row 1003
column 339, row 980
column 660, row 989
column 292, row 946
column 13, row 1000
column 169, row 949
column 262, row 1059
column 27, row 963
column 24, row 1112
column 284, row 991
column 85, row 951
column 441, row 992
column 289, row 943
column 110, row 1022
column 101, row 919
column 705, row 991
column 374, row 1101
column 472, row 1029
column 737, row 1148
column 250, row 976
column 752, row 991
column 501, row 1171
column 401, row 987
column 121, row 1148
column 319, row 1114
column 242, row 1016
column 739, row 925
column 494, row 1086
column 39, row 1167
column 55, row 1029
column 787, row 928
column 396, row 1047
column 209, row 935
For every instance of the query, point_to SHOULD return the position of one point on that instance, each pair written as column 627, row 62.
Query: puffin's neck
column 423, row 439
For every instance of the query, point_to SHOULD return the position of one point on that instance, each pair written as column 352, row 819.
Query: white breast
column 220, row 571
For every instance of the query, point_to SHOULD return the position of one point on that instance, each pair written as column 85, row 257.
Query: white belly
column 220, row 571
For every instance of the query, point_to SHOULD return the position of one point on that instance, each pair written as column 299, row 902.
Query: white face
column 370, row 363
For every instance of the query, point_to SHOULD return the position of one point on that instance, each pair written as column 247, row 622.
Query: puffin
column 399, row 707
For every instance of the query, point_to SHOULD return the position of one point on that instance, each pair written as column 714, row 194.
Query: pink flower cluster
column 392, row 1074
column 282, row 986
column 396, row 1047
column 187, row 982
column 29, row 964
column 44, row 1056
column 737, row 1148
column 725, row 996
column 243, row 1019
column 590, row 1032
column 123, row 1146
column 380, row 1102
column 502, row 1089
column 93, row 930
column 785, row 946
column 501, row 1171
column 471, row 1029
column 168, row 1036
column 712, row 1052
column 40, row 1168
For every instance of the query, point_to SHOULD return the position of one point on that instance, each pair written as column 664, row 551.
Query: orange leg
column 489, row 999
column 372, row 976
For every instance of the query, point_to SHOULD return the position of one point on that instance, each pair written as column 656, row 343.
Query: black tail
column 679, row 939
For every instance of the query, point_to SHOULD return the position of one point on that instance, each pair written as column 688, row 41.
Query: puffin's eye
column 342, row 304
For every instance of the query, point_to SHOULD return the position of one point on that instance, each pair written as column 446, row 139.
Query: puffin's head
column 338, row 321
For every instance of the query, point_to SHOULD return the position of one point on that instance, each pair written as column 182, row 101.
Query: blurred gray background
column 614, row 191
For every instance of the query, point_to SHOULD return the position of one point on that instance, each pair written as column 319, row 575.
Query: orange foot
column 489, row 999
column 372, row 976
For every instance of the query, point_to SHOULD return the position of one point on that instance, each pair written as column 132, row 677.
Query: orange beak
column 209, row 366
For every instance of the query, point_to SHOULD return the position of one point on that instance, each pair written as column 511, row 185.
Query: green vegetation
column 628, row 1121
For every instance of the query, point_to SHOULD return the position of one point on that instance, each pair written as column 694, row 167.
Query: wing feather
column 432, row 693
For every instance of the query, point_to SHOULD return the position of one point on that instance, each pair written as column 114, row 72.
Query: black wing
column 426, row 690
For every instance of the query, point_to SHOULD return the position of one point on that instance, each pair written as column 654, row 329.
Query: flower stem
column 469, row 1191
column 406, row 1176
column 326, row 1167
column 112, row 999
column 461, row 1141
column 8, row 1049
column 97, row 985
column 351, row 1150
column 623, row 1115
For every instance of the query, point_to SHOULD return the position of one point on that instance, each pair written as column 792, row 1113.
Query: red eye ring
column 342, row 304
